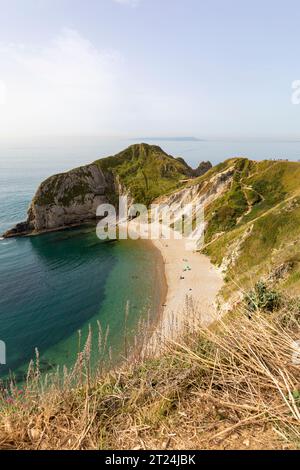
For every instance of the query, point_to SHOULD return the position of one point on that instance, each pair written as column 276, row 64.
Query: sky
column 218, row 69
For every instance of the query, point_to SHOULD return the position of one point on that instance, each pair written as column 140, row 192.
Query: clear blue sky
column 212, row 69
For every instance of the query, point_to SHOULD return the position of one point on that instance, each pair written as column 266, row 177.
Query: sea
column 56, row 288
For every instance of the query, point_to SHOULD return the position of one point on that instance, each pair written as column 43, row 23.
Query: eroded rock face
column 203, row 168
column 204, row 193
column 68, row 199
column 23, row 228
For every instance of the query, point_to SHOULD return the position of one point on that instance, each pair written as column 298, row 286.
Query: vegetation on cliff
column 142, row 171
column 254, row 227
column 146, row 171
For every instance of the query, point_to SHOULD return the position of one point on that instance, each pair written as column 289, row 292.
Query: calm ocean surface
column 56, row 284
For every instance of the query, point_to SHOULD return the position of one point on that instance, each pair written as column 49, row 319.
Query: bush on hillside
column 262, row 298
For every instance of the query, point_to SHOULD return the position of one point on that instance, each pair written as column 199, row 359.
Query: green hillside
column 255, row 225
column 146, row 170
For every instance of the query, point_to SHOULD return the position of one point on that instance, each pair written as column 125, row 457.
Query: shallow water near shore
column 56, row 284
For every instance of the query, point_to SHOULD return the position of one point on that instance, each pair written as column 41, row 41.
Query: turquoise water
column 53, row 285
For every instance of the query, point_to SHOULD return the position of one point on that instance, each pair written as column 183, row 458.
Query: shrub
column 262, row 298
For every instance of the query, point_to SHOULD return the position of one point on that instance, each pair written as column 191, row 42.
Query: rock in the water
column 203, row 168
column 20, row 229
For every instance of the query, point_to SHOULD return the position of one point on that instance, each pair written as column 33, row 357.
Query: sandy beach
column 192, row 285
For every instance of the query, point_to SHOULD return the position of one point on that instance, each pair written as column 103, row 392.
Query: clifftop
column 142, row 171
column 146, row 171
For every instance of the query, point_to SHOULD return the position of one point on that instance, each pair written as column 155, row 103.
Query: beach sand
column 192, row 285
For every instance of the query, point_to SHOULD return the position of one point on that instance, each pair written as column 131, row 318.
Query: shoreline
column 189, row 297
column 188, row 283
column 12, row 233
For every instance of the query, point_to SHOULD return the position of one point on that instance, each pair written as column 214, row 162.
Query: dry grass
column 236, row 385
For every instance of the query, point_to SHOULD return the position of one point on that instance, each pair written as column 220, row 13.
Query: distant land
column 171, row 139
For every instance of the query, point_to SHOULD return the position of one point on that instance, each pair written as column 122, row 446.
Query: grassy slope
column 146, row 170
column 263, row 205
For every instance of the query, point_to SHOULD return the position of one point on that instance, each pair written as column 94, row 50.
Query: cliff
column 142, row 171
column 66, row 199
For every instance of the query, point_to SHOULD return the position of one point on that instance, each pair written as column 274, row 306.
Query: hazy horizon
column 127, row 68
column 56, row 154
